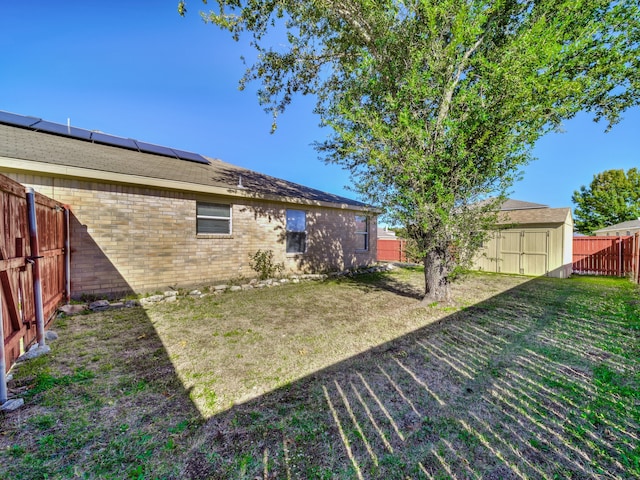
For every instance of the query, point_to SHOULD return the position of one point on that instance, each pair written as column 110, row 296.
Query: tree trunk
column 436, row 277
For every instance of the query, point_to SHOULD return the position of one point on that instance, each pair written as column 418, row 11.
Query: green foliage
column 262, row 263
column 612, row 197
column 436, row 105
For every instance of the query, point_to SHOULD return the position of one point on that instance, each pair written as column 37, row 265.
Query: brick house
column 145, row 217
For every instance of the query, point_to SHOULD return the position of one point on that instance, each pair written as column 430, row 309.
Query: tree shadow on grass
column 535, row 382
column 105, row 403
column 386, row 282
column 508, row 388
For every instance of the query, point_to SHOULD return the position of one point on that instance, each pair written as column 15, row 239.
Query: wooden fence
column 33, row 266
column 392, row 250
column 615, row 256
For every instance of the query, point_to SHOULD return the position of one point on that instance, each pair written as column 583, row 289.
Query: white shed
column 530, row 239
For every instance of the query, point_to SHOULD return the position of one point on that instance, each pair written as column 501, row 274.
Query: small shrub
column 262, row 263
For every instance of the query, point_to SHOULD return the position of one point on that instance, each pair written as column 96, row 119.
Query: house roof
column 386, row 234
column 27, row 149
column 533, row 216
column 621, row 226
column 511, row 204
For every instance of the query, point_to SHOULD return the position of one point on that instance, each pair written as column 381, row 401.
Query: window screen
column 362, row 232
column 296, row 231
column 213, row 218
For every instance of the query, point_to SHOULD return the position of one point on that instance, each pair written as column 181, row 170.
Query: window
column 296, row 231
column 213, row 218
column 362, row 232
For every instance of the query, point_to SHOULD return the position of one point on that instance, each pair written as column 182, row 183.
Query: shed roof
column 621, row 226
column 535, row 216
column 75, row 157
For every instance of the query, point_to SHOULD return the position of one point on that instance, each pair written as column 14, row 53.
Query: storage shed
column 530, row 239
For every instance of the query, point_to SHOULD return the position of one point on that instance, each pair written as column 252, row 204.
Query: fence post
column 35, row 254
column 619, row 242
column 3, row 366
column 636, row 257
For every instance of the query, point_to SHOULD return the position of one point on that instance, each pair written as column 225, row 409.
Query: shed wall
column 532, row 250
column 131, row 239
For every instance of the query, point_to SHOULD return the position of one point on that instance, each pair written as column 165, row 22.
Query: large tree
column 434, row 105
column 612, row 197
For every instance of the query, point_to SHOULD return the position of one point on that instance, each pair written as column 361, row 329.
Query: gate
column 33, row 266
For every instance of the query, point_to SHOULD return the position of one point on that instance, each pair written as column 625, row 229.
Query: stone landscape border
column 173, row 295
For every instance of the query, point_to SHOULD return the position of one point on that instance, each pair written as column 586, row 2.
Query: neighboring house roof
column 385, row 234
column 58, row 154
column 511, row 204
column 533, row 216
column 631, row 224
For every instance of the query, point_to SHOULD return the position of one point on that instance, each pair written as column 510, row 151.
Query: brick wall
column 132, row 239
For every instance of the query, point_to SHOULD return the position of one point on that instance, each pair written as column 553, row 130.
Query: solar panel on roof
column 193, row 157
column 18, row 120
column 114, row 141
column 40, row 125
column 59, row 129
column 151, row 148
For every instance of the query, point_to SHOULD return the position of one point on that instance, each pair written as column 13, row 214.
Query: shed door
column 535, row 253
column 524, row 252
column 510, row 249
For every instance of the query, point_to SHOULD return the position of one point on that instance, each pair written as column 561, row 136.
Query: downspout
column 67, row 254
column 35, row 260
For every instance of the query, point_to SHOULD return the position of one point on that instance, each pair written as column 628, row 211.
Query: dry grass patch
column 231, row 348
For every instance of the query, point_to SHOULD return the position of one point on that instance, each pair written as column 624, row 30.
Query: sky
column 137, row 69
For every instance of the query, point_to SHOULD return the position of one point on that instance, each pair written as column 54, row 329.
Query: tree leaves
column 435, row 105
column 612, row 197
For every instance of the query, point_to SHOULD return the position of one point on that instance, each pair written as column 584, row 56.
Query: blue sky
column 139, row 70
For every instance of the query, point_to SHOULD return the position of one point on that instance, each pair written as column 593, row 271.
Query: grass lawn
column 347, row 378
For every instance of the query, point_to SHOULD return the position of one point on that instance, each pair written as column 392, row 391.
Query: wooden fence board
column 636, row 257
column 392, row 250
column 604, row 255
column 16, row 264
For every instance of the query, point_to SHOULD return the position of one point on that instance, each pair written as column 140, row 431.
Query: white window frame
column 365, row 233
column 215, row 217
column 287, row 231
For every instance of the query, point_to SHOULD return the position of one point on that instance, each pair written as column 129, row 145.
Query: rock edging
column 172, row 295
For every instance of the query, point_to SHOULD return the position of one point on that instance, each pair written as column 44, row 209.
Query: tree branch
column 445, row 104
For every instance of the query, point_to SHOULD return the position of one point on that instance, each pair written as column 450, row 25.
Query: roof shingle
column 25, row 144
